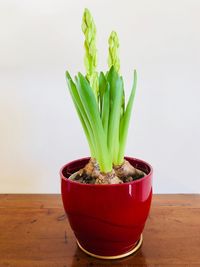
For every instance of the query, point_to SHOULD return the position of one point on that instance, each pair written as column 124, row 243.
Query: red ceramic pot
column 107, row 220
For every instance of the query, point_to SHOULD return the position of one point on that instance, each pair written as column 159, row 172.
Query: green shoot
column 100, row 101
column 113, row 58
column 124, row 124
column 90, row 59
column 91, row 108
column 116, row 94
column 81, row 113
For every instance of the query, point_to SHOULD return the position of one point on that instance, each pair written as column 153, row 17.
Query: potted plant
column 106, row 196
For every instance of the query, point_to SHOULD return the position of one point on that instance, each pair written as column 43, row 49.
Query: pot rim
column 106, row 185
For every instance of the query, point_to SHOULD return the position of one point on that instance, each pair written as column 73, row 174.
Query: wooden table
column 34, row 232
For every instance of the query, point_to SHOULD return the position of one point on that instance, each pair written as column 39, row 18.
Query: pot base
column 133, row 250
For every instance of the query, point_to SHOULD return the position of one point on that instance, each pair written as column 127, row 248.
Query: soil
column 91, row 174
column 82, row 178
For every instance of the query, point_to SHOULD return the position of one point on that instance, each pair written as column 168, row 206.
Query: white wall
column 39, row 130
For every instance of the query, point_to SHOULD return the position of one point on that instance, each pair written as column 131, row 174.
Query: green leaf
column 91, row 107
column 125, row 120
column 123, row 98
column 116, row 94
column 102, row 88
column 112, row 77
column 81, row 113
column 106, row 108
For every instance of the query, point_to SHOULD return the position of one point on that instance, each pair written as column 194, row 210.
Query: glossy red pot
column 107, row 220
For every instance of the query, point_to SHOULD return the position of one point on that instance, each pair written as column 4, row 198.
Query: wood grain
column 34, row 232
